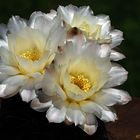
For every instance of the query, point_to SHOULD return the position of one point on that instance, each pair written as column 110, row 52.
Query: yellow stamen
column 81, row 81
column 31, row 54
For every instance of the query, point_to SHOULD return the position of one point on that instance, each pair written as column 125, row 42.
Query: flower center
column 31, row 54
column 81, row 81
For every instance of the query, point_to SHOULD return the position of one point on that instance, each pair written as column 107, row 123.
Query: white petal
column 7, row 91
column 66, row 13
column 91, row 124
column 85, row 11
column 52, row 14
column 40, row 21
column 16, row 24
column 112, row 96
column 56, row 115
column 38, row 106
column 105, row 51
column 115, row 56
column 3, row 44
column 3, row 76
column 118, row 75
column 27, row 95
column 90, row 129
column 75, row 115
column 51, row 87
column 8, row 70
column 7, row 57
column 101, row 112
column 57, row 32
column 117, row 37
column 105, row 27
column 17, row 80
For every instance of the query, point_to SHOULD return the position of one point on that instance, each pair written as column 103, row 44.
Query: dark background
column 17, row 120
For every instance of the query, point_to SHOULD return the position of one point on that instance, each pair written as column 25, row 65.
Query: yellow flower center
column 31, row 54
column 81, row 81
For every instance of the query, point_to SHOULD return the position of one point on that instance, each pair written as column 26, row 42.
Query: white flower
column 26, row 49
column 79, row 85
column 93, row 27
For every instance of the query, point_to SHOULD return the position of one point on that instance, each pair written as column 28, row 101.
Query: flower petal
column 117, row 37
column 104, row 51
column 116, row 56
column 39, row 106
column 7, row 91
column 7, row 57
column 56, row 115
column 67, row 13
column 27, row 95
column 89, row 129
column 55, row 32
column 8, row 70
column 110, row 97
column 118, row 75
column 17, row 80
column 16, row 24
column 3, row 76
column 41, row 21
column 101, row 112
column 51, row 87
column 90, row 125
column 75, row 115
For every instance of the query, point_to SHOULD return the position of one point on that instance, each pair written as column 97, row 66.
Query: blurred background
column 124, row 15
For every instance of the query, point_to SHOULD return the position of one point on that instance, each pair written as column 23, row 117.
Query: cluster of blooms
column 62, row 63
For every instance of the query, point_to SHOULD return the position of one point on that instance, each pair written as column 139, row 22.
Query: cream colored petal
column 75, row 115
column 3, row 76
column 110, row 97
column 27, row 95
column 7, row 57
column 116, row 56
column 17, row 80
column 51, row 87
column 56, row 115
column 117, row 76
column 9, row 70
column 26, row 39
column 16, row 24
column 39, row 106
column 101, row 112
column 29, row 67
